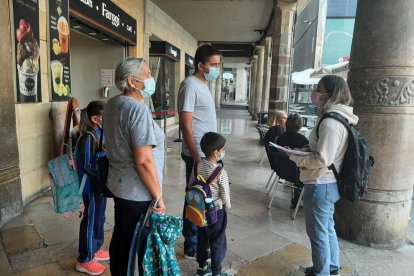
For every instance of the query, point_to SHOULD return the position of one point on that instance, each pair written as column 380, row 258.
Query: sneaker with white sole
column 102, row 255
column 204, row 271
column 309, row 272
column 91, row 268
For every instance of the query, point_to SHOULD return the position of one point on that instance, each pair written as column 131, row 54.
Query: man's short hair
column 203, row 53
column 294, row 123
column 211, row 142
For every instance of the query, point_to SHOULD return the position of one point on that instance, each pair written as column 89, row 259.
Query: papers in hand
column 298, row 152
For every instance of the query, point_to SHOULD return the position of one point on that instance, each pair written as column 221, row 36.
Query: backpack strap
column 338, row 117
column 214, row 175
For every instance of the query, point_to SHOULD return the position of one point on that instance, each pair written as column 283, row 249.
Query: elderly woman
column 135, row 148
column 277, row 126
column 321, row 188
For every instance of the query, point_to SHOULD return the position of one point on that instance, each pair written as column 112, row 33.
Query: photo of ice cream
column 27, row 58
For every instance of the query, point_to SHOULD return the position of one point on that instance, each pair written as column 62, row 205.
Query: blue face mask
column 149, row 87
column 213, row 73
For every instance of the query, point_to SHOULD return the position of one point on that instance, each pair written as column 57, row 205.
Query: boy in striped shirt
column 213, row 146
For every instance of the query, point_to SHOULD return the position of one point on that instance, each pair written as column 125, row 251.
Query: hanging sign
column 189, row 60
column 163, row 48
column 27, row 41
column 59, row 49
column 108, row 17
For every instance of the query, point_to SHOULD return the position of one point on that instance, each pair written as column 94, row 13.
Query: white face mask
column 221, row 156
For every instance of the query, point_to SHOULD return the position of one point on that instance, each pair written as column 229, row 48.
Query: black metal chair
column 286, row 169
column 262, row 129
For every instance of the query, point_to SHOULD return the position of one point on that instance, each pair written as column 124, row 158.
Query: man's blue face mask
column 213, row 73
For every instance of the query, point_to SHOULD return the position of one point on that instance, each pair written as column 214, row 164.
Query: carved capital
column 382, row 91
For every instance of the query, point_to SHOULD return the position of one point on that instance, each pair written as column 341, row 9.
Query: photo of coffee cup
column 63, row 29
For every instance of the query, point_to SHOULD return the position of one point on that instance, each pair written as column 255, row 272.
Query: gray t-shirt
column 128, row 124
column 195, row 97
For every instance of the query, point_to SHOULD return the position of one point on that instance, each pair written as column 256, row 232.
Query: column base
column 376, row 224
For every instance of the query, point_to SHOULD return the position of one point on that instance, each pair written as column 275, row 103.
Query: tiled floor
column 260, row 241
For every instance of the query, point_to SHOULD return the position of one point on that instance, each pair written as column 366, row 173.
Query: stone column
column 259, row 81
column 266, row 74
column 218, row 88
column 253, row 79
column 381, row 80
column 281, row 56
column 10, row 184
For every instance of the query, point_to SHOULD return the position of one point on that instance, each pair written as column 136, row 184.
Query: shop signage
column 107, row 77
column 189, row 60
column 59, row 49
column 163, row 48
column 27, row 49
column 106, row 16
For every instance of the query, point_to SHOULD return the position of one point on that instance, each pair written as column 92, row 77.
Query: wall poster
column 59, row 49
column 27, row 49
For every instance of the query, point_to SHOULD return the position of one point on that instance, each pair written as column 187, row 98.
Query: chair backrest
column 269, row 155
column 262, row 132
column 283, row 166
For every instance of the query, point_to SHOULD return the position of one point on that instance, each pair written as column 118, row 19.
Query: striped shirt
column 220, row 189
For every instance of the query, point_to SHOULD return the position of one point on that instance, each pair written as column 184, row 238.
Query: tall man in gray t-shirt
column 197, row 117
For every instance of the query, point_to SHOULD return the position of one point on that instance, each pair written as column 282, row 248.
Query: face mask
column 149, row 87
column 221, row 156
column 317, row 98
column 213, row 73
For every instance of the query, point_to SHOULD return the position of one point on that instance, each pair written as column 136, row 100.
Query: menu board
column 27, row 49
column 59, row 49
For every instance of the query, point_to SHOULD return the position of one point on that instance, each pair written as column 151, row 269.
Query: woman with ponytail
column 91, row 233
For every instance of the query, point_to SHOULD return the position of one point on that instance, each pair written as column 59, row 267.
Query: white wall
column 88, row 57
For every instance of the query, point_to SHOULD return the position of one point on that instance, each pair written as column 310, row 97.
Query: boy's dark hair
column 203, row 53
column 294, row 123
column 211, row 142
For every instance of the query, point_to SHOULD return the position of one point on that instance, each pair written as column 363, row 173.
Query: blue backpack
column 200, row 208
column 66, row 187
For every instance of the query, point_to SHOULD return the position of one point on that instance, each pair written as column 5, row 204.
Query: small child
column 91, row 232
column 213, row 236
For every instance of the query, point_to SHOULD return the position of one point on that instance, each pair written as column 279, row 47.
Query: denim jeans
column 319, row 204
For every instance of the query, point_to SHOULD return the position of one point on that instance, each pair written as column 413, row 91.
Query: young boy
column 213, row 146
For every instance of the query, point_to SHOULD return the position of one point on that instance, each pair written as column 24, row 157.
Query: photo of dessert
column 57, row 79
column 27, row 58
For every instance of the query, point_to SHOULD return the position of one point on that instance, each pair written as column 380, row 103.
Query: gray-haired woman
column 321, row 188
column 135, row 148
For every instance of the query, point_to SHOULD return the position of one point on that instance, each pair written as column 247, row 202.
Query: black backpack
column 354, row 175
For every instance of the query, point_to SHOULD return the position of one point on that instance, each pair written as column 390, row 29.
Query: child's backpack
column 200, row 208
column 66, row 187
column 354, row 175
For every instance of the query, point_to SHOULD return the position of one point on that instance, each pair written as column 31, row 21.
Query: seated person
column 292, row 139
column 277, row 126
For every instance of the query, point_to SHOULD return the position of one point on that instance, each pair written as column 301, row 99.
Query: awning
column 340, row 69
column 304, row 77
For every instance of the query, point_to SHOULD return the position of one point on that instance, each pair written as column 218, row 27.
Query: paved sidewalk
column 260, row 241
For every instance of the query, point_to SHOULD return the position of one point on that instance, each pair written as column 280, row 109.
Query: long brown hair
column 94, row 108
